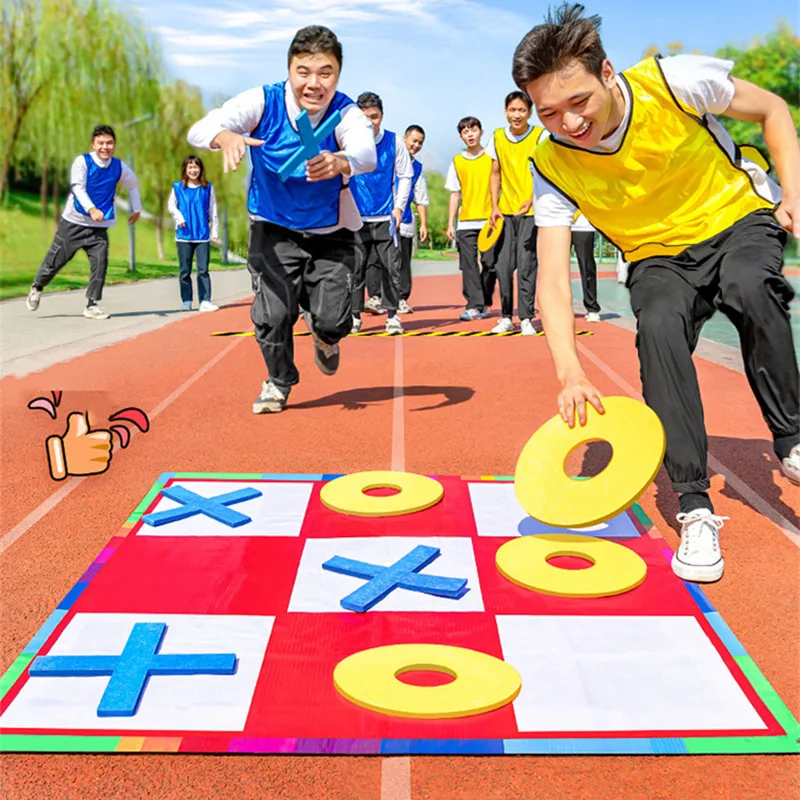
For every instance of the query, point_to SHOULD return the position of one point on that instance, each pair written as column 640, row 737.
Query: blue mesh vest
column 193, row 203
column 101, row 186
column 295, row 203
column 408, row 217
column 373, row 190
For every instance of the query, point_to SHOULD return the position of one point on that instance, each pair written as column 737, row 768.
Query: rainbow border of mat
column 741, row 745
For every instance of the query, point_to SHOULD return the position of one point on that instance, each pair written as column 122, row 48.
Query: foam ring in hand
column 615, row 568
column 488, row 236
column 482, row 682
column 551, row 496
column 347, row 494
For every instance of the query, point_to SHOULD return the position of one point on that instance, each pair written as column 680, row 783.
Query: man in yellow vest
column 468, row 183
column 640, row 154
column 512, row 201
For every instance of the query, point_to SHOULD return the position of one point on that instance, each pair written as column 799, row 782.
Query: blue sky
column 432, row 61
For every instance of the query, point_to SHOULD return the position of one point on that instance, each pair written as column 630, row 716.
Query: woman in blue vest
column 193, row 206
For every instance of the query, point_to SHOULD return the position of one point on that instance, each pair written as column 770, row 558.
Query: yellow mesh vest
column 668, row 186
column 474, row 175
column 516, row 181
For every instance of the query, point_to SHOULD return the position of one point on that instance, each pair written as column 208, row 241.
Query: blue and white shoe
column 187, row 306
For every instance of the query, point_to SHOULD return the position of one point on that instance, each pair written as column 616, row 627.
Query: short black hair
column 517, row 95
column 469, row 122
column 369, row 100
column 103, row 130
column 412, row 128
column 315, row 39
column 564, row 37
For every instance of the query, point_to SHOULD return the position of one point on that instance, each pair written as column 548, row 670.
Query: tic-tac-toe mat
column 214, row 620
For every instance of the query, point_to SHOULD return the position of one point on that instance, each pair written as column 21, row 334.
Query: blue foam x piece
column 403, row 574
column 310, row 140
column 214, row 507
column 130, row 671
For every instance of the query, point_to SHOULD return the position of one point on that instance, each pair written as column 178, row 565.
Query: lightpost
column 131, row 231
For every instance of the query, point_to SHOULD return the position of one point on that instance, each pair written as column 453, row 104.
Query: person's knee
column 751, row 289
column 659, row 319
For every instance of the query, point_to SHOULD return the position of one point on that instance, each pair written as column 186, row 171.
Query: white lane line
column 46, row 506
column 398, row 421
column 396, row 778
column 789, row 530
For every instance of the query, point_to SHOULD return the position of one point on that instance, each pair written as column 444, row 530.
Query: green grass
column 24, row 241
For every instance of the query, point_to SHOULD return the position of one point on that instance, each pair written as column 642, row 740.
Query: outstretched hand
column 574, row 396
column 234, row 147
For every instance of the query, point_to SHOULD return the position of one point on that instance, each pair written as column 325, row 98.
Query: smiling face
column 518, row 114
column 414, row 141
column 104, row 146
column 192, row 170
column 472, row 137
column 577, row 106
column 313, row 78
column 375, row 116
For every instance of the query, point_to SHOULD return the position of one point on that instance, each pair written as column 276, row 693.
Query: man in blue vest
column 87, row 215
column 381, row 208
column 413, row 139
column 302, row 244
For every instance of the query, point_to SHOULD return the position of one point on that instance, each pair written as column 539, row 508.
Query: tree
column 773, row 63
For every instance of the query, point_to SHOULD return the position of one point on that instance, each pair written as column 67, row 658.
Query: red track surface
column 470, row 405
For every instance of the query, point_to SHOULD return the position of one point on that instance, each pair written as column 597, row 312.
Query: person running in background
column 413, row 139
column 302, row 249
column 88, row 213
column 512, row 201
column 381, row 195
column 468, row 179
column 583, row 243
column 193, row 206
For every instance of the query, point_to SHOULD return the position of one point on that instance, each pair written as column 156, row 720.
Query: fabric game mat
column 654, row 670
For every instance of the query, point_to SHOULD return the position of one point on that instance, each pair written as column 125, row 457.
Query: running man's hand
column 788, row 215
column 96, row 214
column 181, row 225
column 524, row 208
column 495, row 218
column 450, row 233
column 133, row 217
column 574, row 395
column 423, row 232
column 398, row 217
column 325, row 165
column 234, row 148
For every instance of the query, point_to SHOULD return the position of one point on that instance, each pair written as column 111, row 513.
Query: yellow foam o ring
column 416, row 492
column 549, row 495
column 482, row 682
column 615, row 569
column 488, row 236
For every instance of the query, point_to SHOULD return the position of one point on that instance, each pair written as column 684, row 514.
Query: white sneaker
column 207, row 305
column 790, row 466
column 271, row 400
column 95, row 312
column 527, row 328
column 356, row 328
column 504, row 326
column 32, row 301
column 404, row 308
column 593, row 316
column 394, row 326
column 698, row 559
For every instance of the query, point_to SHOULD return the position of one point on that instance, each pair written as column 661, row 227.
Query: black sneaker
column 325, row 355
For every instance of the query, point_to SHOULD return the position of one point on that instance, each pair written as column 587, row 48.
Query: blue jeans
column 200, row 251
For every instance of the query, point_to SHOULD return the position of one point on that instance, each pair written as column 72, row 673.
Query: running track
column 448, row 406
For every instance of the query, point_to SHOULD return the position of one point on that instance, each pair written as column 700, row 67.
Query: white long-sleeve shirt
column 172, row 207
column 403, row 170
column 421, row 198
column 77, row 180
column 242, row 114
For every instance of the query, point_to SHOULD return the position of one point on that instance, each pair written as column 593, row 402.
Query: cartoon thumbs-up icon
column 79, row 451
